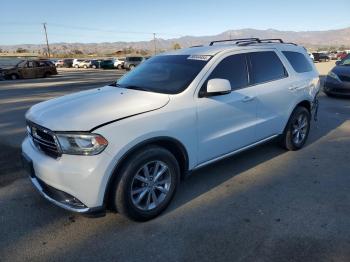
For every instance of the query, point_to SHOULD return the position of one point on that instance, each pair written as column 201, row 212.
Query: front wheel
column 147, row 183
column 297, row 129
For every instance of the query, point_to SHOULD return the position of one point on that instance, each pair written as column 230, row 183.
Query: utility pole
column 154, row 42
column 47, row 41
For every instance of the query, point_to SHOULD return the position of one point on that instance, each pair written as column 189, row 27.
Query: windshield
column 345, row 61
column 168, row 74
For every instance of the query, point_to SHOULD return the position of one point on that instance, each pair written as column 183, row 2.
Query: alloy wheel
column 299, row 129
column 150, row 185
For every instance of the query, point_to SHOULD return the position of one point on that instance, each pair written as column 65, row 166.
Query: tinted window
column 298, row 61
column 234, row 69
column 169, row 74
column 266, row 66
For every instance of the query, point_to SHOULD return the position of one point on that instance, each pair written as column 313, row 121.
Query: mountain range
column 310, row 39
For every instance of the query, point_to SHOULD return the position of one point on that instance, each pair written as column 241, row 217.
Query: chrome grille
column 44, row 139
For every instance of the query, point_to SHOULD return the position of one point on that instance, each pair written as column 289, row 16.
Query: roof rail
column 253, row 40
column 235, row 40
column 196, row 46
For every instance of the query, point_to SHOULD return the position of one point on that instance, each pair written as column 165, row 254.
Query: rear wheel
column 85, row 66
column 76, row 66
column 131, row 67
column 14, row 76
column 297, row 129
column 146, row 184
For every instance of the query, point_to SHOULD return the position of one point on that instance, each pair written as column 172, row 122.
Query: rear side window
column 298, row 61
column 266, row 66
column 234, row 69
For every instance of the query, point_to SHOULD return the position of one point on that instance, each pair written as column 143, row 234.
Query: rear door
column 272, row 81
column 28, row 71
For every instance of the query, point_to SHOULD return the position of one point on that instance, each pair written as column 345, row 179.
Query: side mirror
column 218, row 86
column 337, row 62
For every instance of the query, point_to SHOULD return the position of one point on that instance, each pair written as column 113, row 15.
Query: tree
column 21, row 50
column 176, row 46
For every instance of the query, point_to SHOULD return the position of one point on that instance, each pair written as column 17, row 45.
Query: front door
column 227, row 122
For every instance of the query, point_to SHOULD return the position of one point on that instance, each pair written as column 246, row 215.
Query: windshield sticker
column 199, row 57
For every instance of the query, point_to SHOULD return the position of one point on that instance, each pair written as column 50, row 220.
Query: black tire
column 14, row 77
column 76, row 66
column 288, row 139
column 47, row 74
column 122, row 200
column 118, row 67
column 94, row 66
column 131, row 67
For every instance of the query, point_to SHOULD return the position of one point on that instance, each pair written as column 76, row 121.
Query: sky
column 90, row 21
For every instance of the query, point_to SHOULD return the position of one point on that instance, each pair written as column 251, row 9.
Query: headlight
column 334, row 76
column 81, row 144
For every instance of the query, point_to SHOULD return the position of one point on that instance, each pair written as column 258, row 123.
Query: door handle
column 247, row 98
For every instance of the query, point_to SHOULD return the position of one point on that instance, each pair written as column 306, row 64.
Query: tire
column 119, row 67
column 142, row 205
column 94, row 66
column 291, row 138
column 131, row 67
column 14, row 77
column 47, row 74
column 85, row 66
column 76, row 66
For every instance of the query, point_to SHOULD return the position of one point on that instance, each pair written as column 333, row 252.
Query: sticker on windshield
column 199, row 57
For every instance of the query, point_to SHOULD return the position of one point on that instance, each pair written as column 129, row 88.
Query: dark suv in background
column 29, row 69
column 132, row 61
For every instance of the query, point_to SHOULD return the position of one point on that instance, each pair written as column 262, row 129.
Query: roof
column 220, row 47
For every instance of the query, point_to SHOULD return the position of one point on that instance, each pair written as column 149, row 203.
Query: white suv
column 125, row 146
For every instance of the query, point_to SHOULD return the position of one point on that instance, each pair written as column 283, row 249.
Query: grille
column 344, row 78
column 44, row 140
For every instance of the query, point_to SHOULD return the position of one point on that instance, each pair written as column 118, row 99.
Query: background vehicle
column 29, row 69
column 107, row 64
column 133, row 140
column 132, row 61
column 321, row 57
column 341, row 55
column 59, row 63
column 95, row 63
column 338, row 79
column 333, row 56
column 84, row 64
column 66, row 63
column 119, row 63
column 76, row 62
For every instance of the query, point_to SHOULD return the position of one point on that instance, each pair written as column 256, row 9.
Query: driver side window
column 232, row 68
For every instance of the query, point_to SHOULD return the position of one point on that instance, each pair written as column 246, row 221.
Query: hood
column 342, row 70
column 5, row 68
column 85, row 110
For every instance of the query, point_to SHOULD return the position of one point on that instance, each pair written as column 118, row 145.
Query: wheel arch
column 304, row 103
column 169, row 143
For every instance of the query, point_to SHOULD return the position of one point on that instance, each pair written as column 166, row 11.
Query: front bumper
column 332, row 86
column 75, row 183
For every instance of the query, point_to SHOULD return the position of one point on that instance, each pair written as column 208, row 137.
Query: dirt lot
column 263, row 205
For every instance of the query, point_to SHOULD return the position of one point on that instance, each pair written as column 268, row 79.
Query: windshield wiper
column 114, row 84
column 135, row 88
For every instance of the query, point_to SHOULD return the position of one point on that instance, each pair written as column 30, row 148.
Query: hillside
column 311, row 39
